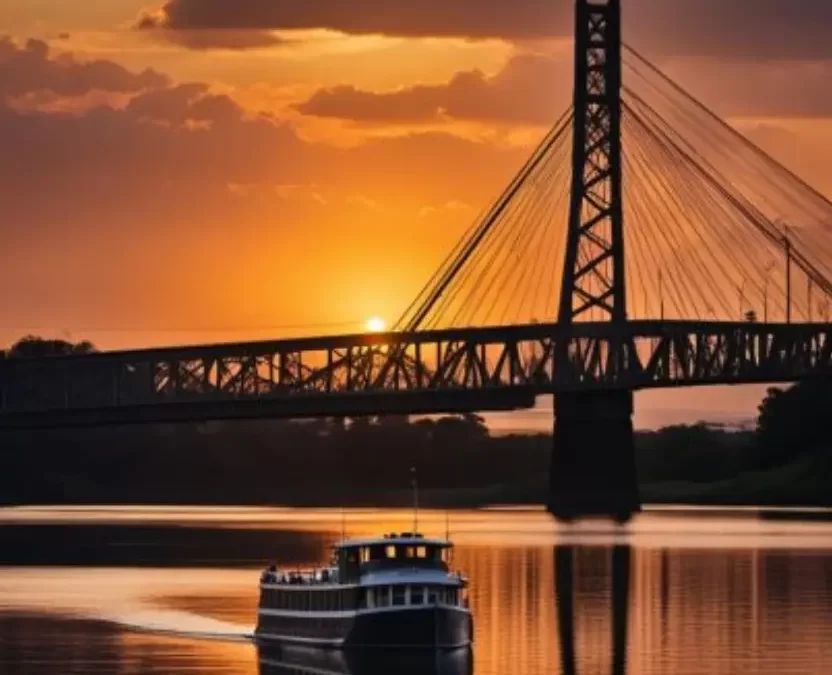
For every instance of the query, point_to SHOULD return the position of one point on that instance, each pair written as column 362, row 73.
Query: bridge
column 645, row 244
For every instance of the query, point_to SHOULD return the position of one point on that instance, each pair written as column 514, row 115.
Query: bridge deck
column 475, row 369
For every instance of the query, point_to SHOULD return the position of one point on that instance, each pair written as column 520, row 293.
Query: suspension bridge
column 646, row 243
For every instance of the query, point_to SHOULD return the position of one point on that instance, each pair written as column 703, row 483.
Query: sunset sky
column 206, row 170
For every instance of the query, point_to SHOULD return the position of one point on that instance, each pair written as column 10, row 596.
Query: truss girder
column 633, row 355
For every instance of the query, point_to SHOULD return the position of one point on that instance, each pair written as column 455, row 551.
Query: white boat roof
column 405, row 539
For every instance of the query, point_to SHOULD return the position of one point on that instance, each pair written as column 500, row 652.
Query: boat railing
column 313, row 577
column 318, row 576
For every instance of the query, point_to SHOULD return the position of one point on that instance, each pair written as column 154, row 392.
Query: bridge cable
column 497, row 209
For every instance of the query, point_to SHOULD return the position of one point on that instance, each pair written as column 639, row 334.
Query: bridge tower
column 593, row 459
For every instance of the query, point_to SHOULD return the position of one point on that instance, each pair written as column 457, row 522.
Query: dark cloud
column 535, row 89
column 203, row 39
column 762, row 29
column 182, row 104
column 31, row 68
column 744, row 30
column 411, row 18
column 531, row 89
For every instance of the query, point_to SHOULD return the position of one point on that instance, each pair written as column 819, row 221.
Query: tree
column 34, row 347
column 795, row 421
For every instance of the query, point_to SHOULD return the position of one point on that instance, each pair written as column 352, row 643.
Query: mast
column 414, row 483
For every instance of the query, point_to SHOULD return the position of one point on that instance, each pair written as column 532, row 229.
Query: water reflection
column 298, row 661
column 620, row 606
column 739, row 596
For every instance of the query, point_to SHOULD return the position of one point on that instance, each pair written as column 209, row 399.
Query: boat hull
column 401, row 627
column 275, row 659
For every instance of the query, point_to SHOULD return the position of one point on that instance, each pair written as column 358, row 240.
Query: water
column 136, row 591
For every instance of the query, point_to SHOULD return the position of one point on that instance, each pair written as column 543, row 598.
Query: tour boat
column 391, row 591
column 285, row 659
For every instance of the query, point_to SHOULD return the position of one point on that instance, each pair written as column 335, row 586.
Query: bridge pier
column 593, row 469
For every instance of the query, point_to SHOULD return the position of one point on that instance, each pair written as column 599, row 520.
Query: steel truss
column 452, row 370
column 593, row 275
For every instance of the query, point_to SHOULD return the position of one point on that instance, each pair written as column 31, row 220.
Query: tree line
column 368, row 460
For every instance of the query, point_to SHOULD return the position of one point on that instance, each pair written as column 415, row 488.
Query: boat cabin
column 397, row 570
column 358, row 557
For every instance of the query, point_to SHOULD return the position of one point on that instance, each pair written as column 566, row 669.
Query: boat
column 281, row 659
column 393, row 591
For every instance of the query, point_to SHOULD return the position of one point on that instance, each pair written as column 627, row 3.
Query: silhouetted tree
column 33, row 346
column 795, row 421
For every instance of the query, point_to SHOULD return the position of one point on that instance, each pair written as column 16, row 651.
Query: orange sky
column 316, row 172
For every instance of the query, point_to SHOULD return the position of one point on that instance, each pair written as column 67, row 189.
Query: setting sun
column 376, row 325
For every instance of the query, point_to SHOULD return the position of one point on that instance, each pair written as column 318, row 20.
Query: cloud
column 31, row 68
column 180, row 104
column 452, row 207
column 145, row 213
column 524, row 92
column 461, row 18
column 534, row 89
column 200, row 39
column 735, row 89
column 764, row 29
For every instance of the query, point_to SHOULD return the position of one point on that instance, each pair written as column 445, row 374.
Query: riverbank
column 787, row 460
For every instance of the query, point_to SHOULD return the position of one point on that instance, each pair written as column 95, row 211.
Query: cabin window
column 421, row 552
column 390, row 552
column 365, row 554
column 410, row 551
column 417, row 595
column 382, row 596
column 433, row 595
column 399, row 595
column 369, row 598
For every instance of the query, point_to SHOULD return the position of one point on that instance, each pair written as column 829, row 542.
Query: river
column 174, row 590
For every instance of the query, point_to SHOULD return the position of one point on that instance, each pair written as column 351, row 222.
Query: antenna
column 414, row 483
column 448, row 537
